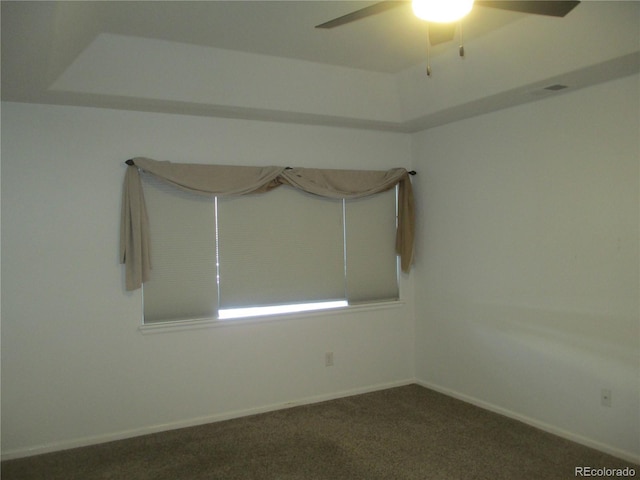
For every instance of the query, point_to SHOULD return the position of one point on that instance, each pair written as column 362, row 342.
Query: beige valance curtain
column 223, row 180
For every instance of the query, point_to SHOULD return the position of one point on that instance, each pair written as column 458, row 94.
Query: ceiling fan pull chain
column 461, row 47
column 428, row 53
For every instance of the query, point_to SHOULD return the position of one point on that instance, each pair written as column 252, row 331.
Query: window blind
column 282, row 247
column 182, row 228
column 371, row 261
column 279, row 248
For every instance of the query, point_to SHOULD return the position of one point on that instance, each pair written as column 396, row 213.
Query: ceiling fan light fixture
column 441, row 11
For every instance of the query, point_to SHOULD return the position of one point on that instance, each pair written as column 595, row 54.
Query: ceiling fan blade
column 538, row 7
column 362, row 13
column 441, row 32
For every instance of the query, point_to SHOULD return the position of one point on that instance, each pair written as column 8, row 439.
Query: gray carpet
column 401, row 433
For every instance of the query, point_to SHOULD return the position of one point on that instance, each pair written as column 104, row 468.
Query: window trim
column 201, row 323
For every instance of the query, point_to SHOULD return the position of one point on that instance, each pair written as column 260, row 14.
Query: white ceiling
column 388, row 42
column 40, row 40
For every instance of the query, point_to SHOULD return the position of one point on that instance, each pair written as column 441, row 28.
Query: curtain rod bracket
column 412, row 172
column 130, row 162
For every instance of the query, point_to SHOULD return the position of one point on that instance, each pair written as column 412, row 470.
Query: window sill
column 198, row 323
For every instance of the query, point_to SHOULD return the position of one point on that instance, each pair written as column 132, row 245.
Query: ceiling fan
column 444, row 32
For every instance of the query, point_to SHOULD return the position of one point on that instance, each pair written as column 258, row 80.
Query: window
column 222, row 257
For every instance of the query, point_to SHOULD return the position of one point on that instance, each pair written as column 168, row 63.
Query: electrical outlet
column 605, row 397
column 328, row 359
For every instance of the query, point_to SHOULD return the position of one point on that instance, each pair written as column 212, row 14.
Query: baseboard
column 587, row 442
column 192, row 422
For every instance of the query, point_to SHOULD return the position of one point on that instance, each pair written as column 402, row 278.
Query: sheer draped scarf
column 225, row 180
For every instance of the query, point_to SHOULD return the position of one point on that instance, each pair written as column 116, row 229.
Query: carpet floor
column 401, row 433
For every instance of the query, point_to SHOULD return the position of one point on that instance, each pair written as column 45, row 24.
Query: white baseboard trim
column 616, row 452
column 136, row 432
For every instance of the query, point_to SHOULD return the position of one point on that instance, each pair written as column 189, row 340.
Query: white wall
column 527, row 281
column 75, row 368
column 526, row 275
